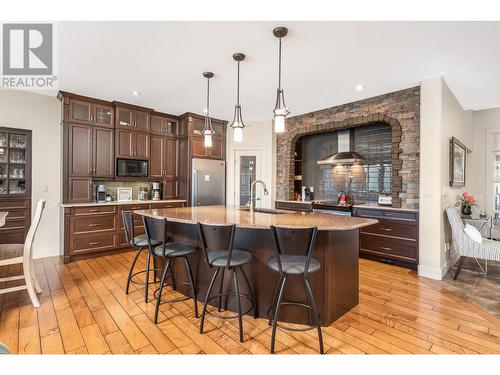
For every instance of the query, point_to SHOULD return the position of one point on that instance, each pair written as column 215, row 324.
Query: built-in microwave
column 131, row 168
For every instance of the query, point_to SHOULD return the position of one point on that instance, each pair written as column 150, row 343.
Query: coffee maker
column 156, row 189
column 100, row 193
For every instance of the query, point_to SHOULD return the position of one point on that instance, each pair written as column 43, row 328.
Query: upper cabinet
column 162, row 124
column 81, row 111
column 132, row 117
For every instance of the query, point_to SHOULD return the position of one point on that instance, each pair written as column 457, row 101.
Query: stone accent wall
column 400, row 109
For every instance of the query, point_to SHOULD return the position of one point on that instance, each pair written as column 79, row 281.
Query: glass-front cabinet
column 15, row 167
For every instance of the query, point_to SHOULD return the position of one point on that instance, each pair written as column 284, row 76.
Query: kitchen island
column 335, row 286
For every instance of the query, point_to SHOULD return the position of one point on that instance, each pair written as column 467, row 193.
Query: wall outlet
column 45, row 188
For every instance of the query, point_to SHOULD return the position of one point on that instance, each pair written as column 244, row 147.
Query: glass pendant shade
column 238, row 134
column 279, row 124
column 207, row 140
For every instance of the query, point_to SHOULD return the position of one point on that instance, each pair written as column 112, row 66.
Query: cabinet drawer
column 388, row 247
column 17, row 213
column 15, row 224
column 294, row 206
column 12, row 204
column 389, row 214
column 393, row 228
column 95, row 210
column 85, row 224
column 95, row 242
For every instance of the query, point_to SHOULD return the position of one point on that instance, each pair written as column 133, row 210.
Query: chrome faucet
column 253, row 199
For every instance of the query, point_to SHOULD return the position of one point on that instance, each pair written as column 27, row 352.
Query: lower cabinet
column 393, row 240
column 18, row 220
column 95, row 230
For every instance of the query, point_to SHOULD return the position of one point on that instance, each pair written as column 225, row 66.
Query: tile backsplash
column 112, row 186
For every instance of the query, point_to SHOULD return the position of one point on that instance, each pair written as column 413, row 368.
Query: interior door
column 247, row 168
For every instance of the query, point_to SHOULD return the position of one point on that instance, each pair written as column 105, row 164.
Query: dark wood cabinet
column 98, row 229
column 80, row 150
column 163, row 166
column 91, row 151
column 80, row 189
column 132, row 144
column 393, row 240
column 103, row 153
column 294, row 206
column 163, row 124
column 198, row 149
column 18, row 220
column 156, row 165
column 128, row 116
column 81, row 111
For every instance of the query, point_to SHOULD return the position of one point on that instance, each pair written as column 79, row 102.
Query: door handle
column 194, row 191
column 95, row 225
column 386, row 229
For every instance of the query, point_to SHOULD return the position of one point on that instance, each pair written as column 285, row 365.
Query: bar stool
column 217, row 243
column 156, row 231
column 294, row 247
column 139, row 243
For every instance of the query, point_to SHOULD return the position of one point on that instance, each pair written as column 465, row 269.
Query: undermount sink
column 271, row 211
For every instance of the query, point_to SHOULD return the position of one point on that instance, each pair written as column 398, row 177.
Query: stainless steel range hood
column 344, row 156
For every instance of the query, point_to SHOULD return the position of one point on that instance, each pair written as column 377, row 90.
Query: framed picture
column 124, row 194
column 458, row 162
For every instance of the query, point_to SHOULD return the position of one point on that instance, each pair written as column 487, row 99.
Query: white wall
column 41, row 114
column 257, row 136
column 484, row 121
column 441, row 117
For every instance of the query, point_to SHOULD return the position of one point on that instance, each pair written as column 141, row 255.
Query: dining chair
column 23, row 254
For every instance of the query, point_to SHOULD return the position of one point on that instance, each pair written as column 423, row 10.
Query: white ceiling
column 322, row 62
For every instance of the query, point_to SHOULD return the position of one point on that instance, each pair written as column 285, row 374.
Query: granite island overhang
column 335, row 286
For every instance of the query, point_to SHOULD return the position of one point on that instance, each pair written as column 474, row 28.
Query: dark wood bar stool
column 156, row 231
column 294, row 247
column 139, row 243
column 217, row 243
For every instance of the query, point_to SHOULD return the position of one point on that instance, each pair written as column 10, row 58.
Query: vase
column 466, row 210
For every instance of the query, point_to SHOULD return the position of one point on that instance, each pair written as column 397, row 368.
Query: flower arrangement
column 465, row 201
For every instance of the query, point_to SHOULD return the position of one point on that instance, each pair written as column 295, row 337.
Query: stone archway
column 286, row 177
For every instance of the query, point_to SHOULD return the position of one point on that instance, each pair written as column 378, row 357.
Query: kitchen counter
column 257, row 220
column 121, row 203
column 335, row 286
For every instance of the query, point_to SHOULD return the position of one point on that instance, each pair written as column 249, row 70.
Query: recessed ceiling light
column 359, row 87
column 136, row 93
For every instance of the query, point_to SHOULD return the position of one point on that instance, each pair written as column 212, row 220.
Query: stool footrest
column 138, row 273
column 180, row 299
column 218, row 316
column 300, row 304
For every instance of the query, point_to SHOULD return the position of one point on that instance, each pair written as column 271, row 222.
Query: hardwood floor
column 85, row 310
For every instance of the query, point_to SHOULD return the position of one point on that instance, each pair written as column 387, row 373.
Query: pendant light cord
column 208, row 96
column 279, row 67
column 238, row 87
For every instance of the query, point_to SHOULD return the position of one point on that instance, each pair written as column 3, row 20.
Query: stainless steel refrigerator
column 208, row 182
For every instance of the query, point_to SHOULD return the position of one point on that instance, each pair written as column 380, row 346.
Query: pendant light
column 237, row 123
column 208, row 131
column 280, row 109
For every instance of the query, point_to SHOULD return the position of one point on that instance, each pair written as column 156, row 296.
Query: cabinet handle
column 95, row 225
column 95, row 243
column 93, row 210
column 386, row 229
column 385, row 248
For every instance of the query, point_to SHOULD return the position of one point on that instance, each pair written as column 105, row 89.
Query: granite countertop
column 121, row 203
column 257, row 220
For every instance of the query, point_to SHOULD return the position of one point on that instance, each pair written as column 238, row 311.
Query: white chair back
column 28, row 243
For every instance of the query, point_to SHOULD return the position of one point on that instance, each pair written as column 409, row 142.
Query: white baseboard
column 433, row 272
column 47, row 252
